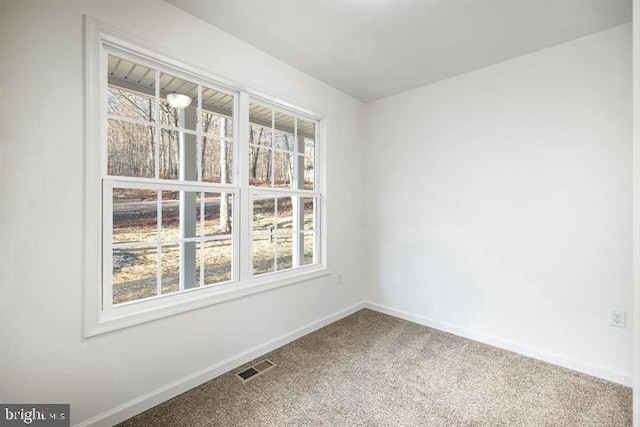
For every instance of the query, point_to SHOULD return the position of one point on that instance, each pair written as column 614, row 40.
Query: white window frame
column 101, row 40
column 315, row 193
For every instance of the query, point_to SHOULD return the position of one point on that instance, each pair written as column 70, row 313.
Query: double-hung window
column 206, row 192
column 169, row 192
column 284, row 196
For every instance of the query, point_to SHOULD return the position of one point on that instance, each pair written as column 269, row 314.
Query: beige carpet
column 370, row 369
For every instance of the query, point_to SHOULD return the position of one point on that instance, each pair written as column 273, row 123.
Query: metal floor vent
column 255, row 370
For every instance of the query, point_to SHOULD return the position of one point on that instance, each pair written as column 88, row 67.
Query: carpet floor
column 370, row 369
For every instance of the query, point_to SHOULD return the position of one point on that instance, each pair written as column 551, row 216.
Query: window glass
column 178, row 102
column 170, row 189
column 217, row 113
column 135, row 216
column 134, row 273
column 282, row 158
column 263, row 252
column 169, row 154
column 217, row 160
column 217, row 261
column 309, row 248
column 170, row 269
column 131, row 90
column 130, row 149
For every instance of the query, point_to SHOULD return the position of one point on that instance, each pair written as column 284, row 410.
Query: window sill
column 142, row 312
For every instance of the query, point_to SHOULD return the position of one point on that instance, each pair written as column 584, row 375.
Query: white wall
column 636, row 210
column 43, row 357
column 500, row 203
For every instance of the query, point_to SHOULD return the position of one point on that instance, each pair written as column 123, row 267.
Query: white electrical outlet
column 618, row 318
column 338, row 278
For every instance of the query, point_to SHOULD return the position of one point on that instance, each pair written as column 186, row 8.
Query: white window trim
column 98, row 321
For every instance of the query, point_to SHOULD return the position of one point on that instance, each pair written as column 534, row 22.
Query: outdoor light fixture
column 178, row 100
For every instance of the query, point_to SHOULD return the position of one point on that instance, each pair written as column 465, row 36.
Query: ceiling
column 376, row 48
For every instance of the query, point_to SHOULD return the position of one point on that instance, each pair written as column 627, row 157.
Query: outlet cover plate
column 618, row 318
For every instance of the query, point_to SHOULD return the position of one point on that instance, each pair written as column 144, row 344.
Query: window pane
column 229, row 127
column 191, row 213
column 309, row 173
column 309, row 158
column 170, row 215
column 285, row 251
column 260, row 163
column 283, row 132
column 284, row 127
column 171, row 228
column 307, row 131
column 129, row 104
column 308, row 151
column 134, row 273
column 285, row 213
column 218, row 257
column 190, row 263
column 218, row 216
column 217, row 160
column 283, row 141
column 309, row 248
column 259, row 135
column 179, row 102
column 216, row 125
column 298, row 171
column 190, row 152
column 283, row 169
column 263, row 253
column 174, row 145
column 261, row 116
column 170, row 269
column 135, row 215
column 309, row 213
column 263, row 214
column 169, row 154
column 130, row 149
column 131, row 90
column 217, row 113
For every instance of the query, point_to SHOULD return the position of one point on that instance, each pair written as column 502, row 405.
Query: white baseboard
column 576, row 365
column 155, row 397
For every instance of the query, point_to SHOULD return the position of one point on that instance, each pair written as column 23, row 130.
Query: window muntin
column 284, row 203
column 147, row 155
column 153, row 218
column 283, row 232
column 168, row 186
